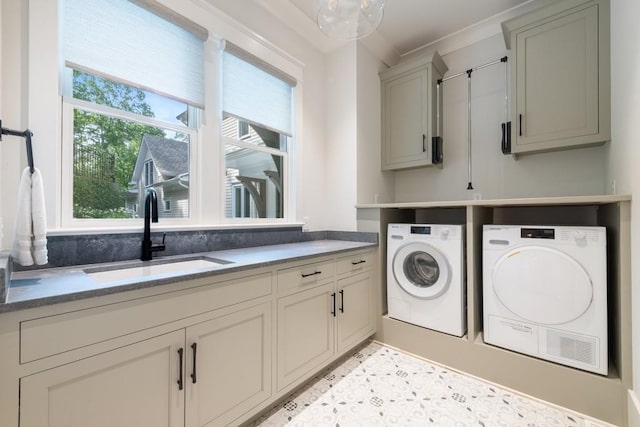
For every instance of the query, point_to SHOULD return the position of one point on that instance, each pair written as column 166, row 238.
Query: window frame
column 48, row 114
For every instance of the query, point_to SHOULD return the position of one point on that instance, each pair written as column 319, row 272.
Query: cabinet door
column 305, row 332
column 132, row 386
column 405, row 120
column 229, row 369
column 557, row 78
column 355, row 310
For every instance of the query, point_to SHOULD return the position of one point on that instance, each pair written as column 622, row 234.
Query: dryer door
column 421, row 270
column 542, row 285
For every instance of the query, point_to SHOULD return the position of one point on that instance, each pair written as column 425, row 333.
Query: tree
column 109, row 145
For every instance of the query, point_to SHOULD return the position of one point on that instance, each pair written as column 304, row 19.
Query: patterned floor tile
column 379, row 386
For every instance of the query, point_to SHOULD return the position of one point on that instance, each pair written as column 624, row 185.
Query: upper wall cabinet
column 410, row 119
column 560, row 79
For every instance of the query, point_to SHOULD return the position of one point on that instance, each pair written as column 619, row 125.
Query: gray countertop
column 29, row 289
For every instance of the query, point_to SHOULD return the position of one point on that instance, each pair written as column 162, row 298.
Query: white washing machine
column 545, row 293
column 425, row 276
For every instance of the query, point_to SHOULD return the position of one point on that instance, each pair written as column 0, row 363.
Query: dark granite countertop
column 37, row 288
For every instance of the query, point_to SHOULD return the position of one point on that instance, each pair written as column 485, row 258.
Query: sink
column 144, row 270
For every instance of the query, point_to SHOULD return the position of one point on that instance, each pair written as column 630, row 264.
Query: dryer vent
column 579, row 349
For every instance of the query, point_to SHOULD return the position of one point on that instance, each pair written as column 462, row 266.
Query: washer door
column 542, row 285
column 421, row 270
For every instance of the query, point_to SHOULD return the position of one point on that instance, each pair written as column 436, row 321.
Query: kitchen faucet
column 150, row 215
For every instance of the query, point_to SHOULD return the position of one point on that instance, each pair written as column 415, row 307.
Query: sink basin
column 142, row 271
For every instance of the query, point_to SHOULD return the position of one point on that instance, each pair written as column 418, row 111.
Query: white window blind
column 126, row 43
column 253, row 91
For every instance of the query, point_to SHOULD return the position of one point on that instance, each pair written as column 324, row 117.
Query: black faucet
column 150, row 215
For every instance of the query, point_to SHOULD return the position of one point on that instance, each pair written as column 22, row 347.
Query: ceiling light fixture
column 349, row 19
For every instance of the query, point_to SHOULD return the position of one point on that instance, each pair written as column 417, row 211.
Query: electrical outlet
column 477, row 196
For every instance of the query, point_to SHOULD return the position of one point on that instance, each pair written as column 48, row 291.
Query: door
column 421, row 270
column 132, row 386
column 406, row 114
column 355, row 310
column 557, row 81
column 305, row 332
column 228, row 366
column 542, row 285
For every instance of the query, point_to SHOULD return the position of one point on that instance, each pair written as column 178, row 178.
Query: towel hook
column 27, row 134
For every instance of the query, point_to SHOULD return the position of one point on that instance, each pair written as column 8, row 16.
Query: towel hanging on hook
column 27, row 134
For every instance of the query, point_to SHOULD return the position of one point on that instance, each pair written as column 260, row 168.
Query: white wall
column 624, row 153
column 341, row 138
column 494, row 175
column 374, row 186
column 13, row 156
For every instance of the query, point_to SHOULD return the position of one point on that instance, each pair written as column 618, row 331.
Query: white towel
column 30, row 243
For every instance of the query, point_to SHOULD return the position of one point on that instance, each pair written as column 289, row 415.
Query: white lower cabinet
column 229, row 366
column 355, row 314
column 202, row 355
column 220, row 371
column 305, row 332
column 132, row 386
column 321, row 323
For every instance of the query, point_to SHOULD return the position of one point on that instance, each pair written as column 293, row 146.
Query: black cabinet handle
column 180, row 379
column 341, row 300
column 311, row 274
column 194, row 347
column 520, row 124
column 333, row 295
column 362, row 261
column 424, row 141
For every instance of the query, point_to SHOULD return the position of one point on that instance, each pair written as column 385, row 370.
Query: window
column 135, row 89
column 148, row 173
column 243, row 130
column 257, row 129
column 130, row 88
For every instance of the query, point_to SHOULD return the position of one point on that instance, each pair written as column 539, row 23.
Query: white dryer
column 425, row 276
column 545, row 293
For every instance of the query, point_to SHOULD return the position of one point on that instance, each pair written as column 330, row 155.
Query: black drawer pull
column 333, row 296
column 424, row 143
column 180, row 379
column 311, row 274
column 341, row 300
column 194, row 347
column 362, row 261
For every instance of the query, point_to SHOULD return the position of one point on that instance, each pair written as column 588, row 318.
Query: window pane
column 253, row 183
column 254, row 134
column 115, row 160
column 99, row 90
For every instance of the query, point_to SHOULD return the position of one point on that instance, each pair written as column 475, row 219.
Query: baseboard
column 633, row 409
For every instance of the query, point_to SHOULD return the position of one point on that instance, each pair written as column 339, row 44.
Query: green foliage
column 112, row 142
column 95, row 198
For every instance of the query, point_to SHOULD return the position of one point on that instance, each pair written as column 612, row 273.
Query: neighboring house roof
column 170, row 157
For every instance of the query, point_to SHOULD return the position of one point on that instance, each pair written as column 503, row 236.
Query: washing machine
column 545, row 293
column 425, row 276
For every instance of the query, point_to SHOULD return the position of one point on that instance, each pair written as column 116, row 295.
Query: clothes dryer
column 545, row 293
column 425, row 276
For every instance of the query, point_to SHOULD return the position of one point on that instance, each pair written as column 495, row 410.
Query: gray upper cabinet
column 410, row 114
column 560, row 79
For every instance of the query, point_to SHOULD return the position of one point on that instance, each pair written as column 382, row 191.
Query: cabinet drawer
column 355, row 262
column 47, row 336
column 305, row 276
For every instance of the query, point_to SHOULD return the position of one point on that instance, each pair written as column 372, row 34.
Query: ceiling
column 407, row 24
column 410, row 24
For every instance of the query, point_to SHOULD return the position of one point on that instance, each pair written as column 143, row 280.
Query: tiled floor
column 379, row 386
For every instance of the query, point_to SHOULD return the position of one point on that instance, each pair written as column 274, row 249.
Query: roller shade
column 254, row 91
column 129, row 44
